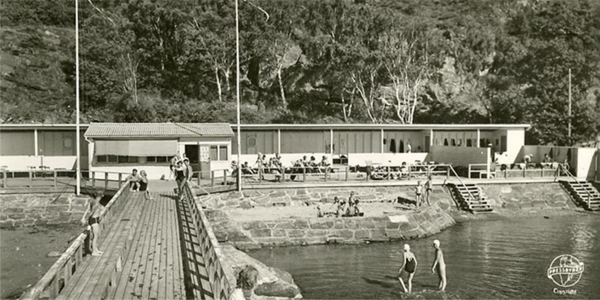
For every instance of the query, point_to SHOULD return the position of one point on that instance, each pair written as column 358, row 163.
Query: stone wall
column 310, row 231
column 528, row 196
column 40, row 209
column 306, row 196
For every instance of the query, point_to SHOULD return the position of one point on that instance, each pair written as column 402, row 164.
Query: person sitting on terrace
column 403, row 169
column 358, row 209
column 314, row 165
column 305, row 161
column 350, row 209
column 134, row 181
column 325, row 162
column 547, row 161
column 234, row 169
column 564, row 167
column 246, row 169
column 144, row 185
column 341, row 208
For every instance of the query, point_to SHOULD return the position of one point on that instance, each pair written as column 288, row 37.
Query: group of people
column 409, row 267
column 423, row 191
column 343, row 208
column 139, row 183
column 182, row 170
column 275, row 166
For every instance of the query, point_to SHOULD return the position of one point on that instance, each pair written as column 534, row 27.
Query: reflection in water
column 485, row 259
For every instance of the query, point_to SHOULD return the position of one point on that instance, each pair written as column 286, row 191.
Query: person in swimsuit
column 180, row 178
column 174, row 160
column 144, row 185
column 409, row 265
column 428, row 190
column 418, row 193
column 439, row 265
column 134, row 181
column 91, row 217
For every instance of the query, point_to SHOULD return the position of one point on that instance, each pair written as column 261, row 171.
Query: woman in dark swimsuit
column 409, row 265
column 144, row 185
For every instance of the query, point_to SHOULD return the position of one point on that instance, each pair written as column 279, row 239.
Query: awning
column 136, row 147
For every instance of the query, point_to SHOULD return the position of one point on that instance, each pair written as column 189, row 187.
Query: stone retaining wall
column 40, row 209
column 306, row 196
column 528, row 196
column 310, row 231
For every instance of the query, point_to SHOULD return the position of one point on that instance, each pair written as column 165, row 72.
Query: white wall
column 515, row 140
column 585, row 163
column 460, row 156
column 394, row 159
column 21, row 162
column 154, row 172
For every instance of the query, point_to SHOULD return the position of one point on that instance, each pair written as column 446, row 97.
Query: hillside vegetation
column 326, row 61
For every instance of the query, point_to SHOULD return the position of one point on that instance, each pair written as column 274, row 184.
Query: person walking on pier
column 439, row 265
column 91, row 216
column 180, row 177
column 409, row 266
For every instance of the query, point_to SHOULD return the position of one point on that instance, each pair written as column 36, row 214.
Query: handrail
column 577, row 181
column 220, row 273
column 461, row 182
column 63, row 264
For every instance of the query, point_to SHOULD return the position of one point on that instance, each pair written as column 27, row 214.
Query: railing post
column 303, row 174
column 55, row 179
column 260, row 173
column 225, row 177
column 347, row 171
column 542, row 172
column 326, row 174
column 282, row 171
column 120, row 179
column 389, row 173
column 470, row 171
column 93, row 179
column 106, row 181
column 199, row 175
column 4, row 179
column 30, row 179
column 447, row 173
column 212, row 178
column 525, row 171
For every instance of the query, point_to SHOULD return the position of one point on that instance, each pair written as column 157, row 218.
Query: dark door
column 427, row 143
column 193, row 153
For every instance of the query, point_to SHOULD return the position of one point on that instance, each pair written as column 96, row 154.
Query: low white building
column 121, row 147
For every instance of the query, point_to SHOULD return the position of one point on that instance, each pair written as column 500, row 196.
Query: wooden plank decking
column 162, row 260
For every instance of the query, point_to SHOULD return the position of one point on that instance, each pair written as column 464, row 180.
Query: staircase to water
column 584, row 194
column 471, row 198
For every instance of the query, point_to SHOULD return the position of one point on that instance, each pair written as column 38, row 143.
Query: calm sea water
column 485, row 259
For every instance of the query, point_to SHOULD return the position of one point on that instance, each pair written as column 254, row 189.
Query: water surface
column 485, row 259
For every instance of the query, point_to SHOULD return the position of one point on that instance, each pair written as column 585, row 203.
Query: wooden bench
column 96, row 278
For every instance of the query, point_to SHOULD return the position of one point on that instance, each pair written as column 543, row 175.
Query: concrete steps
column 471, row 198
column 583, row 194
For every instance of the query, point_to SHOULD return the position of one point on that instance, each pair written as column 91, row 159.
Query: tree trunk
column 282, row 90
column 218, row 84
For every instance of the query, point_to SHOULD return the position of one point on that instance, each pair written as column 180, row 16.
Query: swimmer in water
column 439, row 265
column 409, row 265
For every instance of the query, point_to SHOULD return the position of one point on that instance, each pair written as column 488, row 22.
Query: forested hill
column 325, row 61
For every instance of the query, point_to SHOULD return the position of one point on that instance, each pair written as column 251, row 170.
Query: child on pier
column 91, row 216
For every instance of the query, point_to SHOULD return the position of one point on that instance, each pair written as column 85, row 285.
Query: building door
column 427, row 143
column 193, row 153
column 204, row 162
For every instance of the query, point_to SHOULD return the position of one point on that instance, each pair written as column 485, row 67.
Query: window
column 384, row 141
column 112, row 158
column 393, row 146
column 469, row 143
column 214, row 152
column 222, row 152
column 453, row 141
column 482, row 143
column 102, row 158
column 445, row 142
column 68, row 143
column 132, row 159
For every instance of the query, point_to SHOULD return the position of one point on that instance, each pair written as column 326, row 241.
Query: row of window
column 216, row 153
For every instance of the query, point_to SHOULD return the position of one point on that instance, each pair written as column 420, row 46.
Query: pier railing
column 57, row 277
column 56, row 179
column 220, row 274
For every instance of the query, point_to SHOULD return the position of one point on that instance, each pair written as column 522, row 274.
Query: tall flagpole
column 569, row 112
column 77, row 135
column 237, row 87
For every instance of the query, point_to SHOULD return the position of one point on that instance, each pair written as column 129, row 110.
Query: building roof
column 158, row 130
column 383, row 126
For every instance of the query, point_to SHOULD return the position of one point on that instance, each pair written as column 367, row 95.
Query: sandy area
column 287, row 212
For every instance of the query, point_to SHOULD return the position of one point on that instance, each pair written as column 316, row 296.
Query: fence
column 56, row 178
column 221, row 278
column 62, row 270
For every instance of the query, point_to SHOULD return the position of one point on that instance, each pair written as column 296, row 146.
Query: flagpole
column 237, row 82
column 77, row 135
